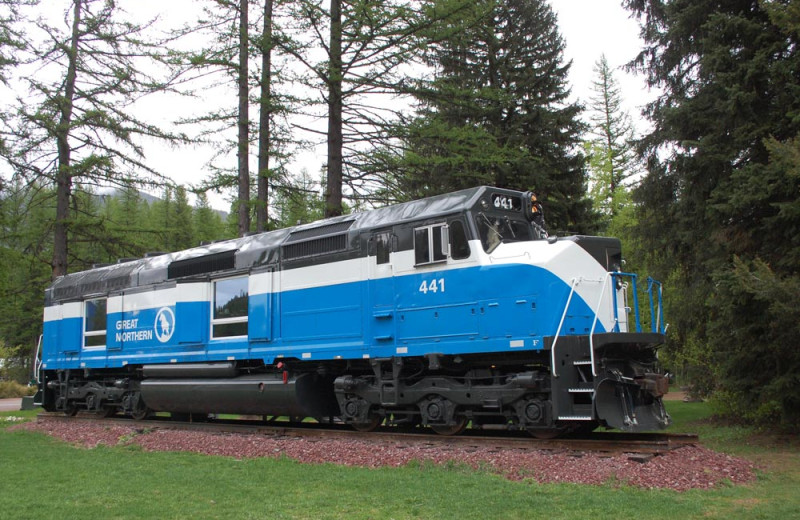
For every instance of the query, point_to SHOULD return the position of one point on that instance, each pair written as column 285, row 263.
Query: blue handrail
column 633, row 278
column 656, row 320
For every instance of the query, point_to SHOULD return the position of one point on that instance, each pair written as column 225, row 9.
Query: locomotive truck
column 443, row 312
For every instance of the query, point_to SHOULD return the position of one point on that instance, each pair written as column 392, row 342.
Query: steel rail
column 648, row 444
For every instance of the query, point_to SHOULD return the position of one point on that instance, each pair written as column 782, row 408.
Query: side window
column 430, row 244
column 94, row 323
column 230, row 308
column 459, row 245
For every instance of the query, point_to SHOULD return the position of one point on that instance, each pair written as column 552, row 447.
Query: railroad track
column 640, row 446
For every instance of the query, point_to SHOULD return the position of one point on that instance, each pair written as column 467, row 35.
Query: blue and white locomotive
column 447, row 311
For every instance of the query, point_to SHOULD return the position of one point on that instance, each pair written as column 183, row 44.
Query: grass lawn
column 42, row 478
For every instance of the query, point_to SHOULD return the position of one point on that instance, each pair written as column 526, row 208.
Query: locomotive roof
column 253, row 250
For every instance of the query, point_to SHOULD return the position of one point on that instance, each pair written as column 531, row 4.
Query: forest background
column 706, row 200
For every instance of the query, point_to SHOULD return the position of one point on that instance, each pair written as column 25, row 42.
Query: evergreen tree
column 207, row 223
column 76, row 124
column 242, row 48
column 366, row 45
column 611, row 160
column 718, row 203
column 301, row 203
column 497, row 111
column 25, row 253
column 11, row 39
column 182, row 235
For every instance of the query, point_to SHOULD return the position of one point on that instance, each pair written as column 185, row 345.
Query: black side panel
column 606, row 250
column 201, row 265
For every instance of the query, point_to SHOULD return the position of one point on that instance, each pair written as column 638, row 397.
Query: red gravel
column 690, row 467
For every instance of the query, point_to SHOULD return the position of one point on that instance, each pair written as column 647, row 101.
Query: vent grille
column 201, row 265
column 320, row 231
column 317, row 246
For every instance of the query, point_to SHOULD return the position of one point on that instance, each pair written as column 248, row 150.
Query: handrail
column 575, row 282
column 656, row 319
column 37, row 362
column 596, row 312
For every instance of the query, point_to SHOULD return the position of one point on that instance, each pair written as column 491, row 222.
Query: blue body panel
column 445, row 311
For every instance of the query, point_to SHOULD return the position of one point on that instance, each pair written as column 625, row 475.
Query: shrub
column 11, row 389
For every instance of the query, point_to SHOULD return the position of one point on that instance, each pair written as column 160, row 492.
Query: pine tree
column 239, row 45
column 207, row 223
column 366, row 45
column 12, row 41
column 611, row 159
column 76, row 124
column 497, row 111
column 25, row 251
column 717, row 202
column 183, row 236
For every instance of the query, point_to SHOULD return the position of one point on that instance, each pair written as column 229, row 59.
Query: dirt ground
column 676, row 395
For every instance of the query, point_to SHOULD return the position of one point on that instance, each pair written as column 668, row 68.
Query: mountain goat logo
column 165, row 324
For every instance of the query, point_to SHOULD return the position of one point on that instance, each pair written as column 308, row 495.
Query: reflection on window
column 383, row 247
column 495, row 230
column 94, row 319
column 430, row 244
column 459, row 245
column 230, row 308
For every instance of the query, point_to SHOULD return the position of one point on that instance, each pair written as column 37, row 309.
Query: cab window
column 459, row 245
column 430, row 244
column 495, row 230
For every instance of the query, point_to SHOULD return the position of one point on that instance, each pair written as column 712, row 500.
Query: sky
column 589, row 28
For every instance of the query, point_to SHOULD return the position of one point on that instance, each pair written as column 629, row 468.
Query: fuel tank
column 305, row 395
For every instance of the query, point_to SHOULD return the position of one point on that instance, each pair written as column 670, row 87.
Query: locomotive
column 443, row 312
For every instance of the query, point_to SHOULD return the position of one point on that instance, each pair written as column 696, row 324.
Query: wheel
column 71, row 410
column 455, row 429
column 141, row 411
column 373, row 422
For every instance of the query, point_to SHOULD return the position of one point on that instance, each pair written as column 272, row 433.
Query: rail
column 656, row 311
column 575, row 282
column 492, row 439
column 656, row 317
column 37, row 361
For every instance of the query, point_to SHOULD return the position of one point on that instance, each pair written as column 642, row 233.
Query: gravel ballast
column 690, row 467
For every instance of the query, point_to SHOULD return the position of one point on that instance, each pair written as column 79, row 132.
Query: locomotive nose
column 630, row 406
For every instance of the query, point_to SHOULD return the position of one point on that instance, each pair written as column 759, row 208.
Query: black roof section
column 263, row 249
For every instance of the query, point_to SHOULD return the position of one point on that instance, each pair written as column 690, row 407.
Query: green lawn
column 43, row 478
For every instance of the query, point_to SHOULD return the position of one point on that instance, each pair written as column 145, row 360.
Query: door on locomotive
column 382, row 286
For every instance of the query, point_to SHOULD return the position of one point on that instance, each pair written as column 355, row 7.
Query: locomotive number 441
column 433, row 286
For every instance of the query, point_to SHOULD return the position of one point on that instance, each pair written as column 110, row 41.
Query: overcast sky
column 589, row 28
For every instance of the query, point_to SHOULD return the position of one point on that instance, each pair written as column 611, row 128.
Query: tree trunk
column 333, row 189
column 64, row 175
column 244, row 119
column 262, row 203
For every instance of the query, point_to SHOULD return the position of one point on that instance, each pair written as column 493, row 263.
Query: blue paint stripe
column 445, row 312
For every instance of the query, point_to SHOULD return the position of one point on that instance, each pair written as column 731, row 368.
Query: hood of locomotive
column 572, row 281
column 585, row 301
